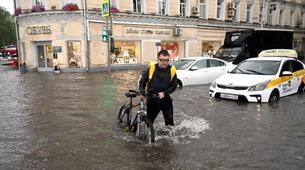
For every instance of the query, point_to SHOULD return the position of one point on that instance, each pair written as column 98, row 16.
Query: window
column 296, row 66
column 161, row 7
column 137, row 6
column 202, row 9
column 201, row 64
column 38, row 2
column 303, row 17
column 270, row 17
column 219, row 9
column 291, row 20
column 64, row 2
column 182, row 7
column 281, row 17
column 236, row 16
column 249, row 13
column 261, row 11
column 215, row 63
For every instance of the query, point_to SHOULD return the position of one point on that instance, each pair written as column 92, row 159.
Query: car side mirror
column 194, row 68
column 286, row 73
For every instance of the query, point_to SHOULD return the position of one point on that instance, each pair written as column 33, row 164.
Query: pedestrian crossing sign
column 105, row 8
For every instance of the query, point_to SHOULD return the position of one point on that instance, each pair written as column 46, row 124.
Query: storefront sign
column 146, row 31
column 39, row 30
column 56, row 49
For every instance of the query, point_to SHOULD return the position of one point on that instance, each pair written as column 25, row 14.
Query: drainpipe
column 17, row 37
column 87, row 36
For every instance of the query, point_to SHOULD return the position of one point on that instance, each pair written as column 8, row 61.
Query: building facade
column 55, row 33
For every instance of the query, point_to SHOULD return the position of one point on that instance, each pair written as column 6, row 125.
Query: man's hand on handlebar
column 161, row 95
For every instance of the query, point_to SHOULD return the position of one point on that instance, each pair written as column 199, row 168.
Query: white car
column 200, row 70
column 263, row 79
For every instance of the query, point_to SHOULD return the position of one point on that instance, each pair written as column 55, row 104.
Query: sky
column 8, row 4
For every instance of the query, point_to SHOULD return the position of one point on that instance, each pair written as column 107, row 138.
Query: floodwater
column 68, row 121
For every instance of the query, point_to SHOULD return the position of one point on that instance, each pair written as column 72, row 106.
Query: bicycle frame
column 140, row 124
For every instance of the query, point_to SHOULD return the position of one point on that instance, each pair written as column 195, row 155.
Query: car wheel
column 301, row 88
column 274, row 97
column 179, row 84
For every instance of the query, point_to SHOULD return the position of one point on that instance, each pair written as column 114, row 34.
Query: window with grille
column 137, row 6
column 182, row 7
column 161, row 7
column 202, row 9
column 219, row 9
column 249, row 13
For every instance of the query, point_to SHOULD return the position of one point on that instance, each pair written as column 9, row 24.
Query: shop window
column 125, row 52
column 74, row 53
column 172, row 48
column 209, row 48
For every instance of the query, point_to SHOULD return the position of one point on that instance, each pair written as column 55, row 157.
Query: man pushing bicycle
column 156, row 84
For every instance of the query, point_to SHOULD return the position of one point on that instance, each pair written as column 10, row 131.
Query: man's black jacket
column 160, row 81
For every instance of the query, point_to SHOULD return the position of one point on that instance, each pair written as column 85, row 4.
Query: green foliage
column 7, row 28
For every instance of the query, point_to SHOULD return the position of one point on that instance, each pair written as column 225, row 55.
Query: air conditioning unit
column 231, row 13
column 177, row 31
column 231, row 5
column 195, row 9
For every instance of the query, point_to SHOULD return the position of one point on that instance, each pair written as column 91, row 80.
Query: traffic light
column 105, row 35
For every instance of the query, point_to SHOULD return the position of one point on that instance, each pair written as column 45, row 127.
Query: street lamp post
column 17, row 38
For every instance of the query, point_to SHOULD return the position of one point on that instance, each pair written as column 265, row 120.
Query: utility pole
column 105, row 8
column 87, row 37
column 17, row 38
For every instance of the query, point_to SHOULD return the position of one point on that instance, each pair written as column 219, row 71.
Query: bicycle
column 141, row 124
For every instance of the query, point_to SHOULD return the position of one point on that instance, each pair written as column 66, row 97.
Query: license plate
column 229, row 96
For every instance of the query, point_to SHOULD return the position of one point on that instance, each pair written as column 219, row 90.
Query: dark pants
column 154, row 106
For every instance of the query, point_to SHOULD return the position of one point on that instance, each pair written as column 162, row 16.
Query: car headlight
column 213, row 85
column 259, row 87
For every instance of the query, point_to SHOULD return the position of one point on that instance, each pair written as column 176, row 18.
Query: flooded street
column 68, row 121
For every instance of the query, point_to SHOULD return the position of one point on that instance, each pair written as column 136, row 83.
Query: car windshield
column 228, row 52
column 183, row 64
column 258, row 67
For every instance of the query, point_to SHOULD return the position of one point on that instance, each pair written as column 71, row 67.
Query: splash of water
column 190, row 127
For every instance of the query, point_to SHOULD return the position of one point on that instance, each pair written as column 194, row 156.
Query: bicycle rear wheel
column 123, row 117
column 147, row 132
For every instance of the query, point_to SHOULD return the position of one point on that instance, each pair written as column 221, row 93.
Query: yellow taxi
column 274, row 74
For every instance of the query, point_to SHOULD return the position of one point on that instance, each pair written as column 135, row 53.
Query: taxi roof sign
column 278, row 53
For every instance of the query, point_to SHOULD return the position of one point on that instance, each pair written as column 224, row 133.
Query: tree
column 7, row 28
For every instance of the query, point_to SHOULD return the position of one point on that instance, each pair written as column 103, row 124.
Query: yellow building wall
column 175, row 8
column 151, row 6
column 125, row 5
column 98, row 49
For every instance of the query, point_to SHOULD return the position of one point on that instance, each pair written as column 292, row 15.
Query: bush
column 70, row 7
column 17, row 11
column 114, row 10
column 38, row 8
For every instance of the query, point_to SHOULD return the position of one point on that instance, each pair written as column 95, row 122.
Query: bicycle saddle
column 132, row 93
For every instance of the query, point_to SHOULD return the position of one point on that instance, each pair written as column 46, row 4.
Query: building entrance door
column 45, row 57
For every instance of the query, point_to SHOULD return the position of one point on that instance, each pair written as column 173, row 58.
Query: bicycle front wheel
column 123, row 117
column 147, row 133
